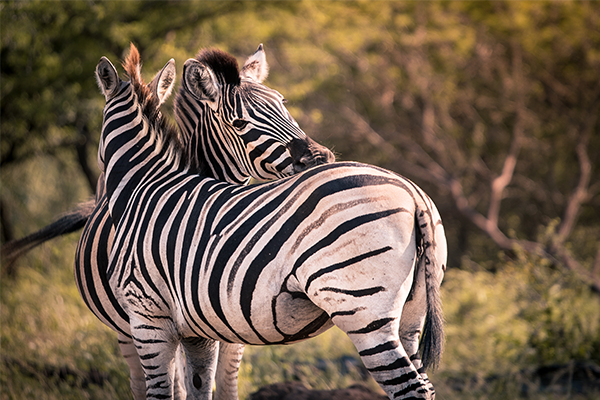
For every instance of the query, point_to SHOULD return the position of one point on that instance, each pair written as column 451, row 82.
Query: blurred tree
column 491, row 106
column 50, row 103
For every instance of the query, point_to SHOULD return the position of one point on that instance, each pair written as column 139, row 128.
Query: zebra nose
column 307, row 153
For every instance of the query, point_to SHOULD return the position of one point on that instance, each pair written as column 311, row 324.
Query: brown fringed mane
column 150, row 103
column 223, row 64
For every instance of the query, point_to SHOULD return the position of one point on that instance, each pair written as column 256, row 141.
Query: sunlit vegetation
column 492, row 107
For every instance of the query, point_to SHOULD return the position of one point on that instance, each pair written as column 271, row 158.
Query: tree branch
column 581, row 193
column 433, row 172
column 501, row 182
column 82, row 156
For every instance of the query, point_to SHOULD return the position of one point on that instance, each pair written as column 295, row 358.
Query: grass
column 498, row 325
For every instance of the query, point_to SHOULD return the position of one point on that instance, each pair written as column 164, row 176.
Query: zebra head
column 130, row 102
column 234, row 127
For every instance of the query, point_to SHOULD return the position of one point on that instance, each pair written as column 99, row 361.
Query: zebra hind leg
column 200, row 366
column 410, row 342
column 382, row 353
column 412, row 322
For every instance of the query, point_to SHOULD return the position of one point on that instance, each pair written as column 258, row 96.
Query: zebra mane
column 150, row 105
column 223, row 65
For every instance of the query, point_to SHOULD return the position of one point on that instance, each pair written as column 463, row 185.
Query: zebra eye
column 239, row 123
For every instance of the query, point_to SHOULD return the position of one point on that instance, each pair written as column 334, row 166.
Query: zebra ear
column 163, row 82
column 107, row 78
column 256, row 67
column 200, row 81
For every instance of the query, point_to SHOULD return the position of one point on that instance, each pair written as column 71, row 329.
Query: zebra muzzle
column 307, row 153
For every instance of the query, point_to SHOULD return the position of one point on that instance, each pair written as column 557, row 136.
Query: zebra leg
column 410, row 342
column 137, row 379
column 228, row 366
column 388, row 362
column 412, row 321
column 157, row 348
column 201, row 365
column 371, row 319
column 179, row 383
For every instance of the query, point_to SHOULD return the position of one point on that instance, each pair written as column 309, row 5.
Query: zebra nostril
column 301, row 164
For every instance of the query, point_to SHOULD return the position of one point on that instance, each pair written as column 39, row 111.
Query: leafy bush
column 53, row 347
column 328, row 361
column 528, row 314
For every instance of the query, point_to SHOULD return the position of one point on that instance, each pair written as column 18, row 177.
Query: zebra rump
column 196, row 260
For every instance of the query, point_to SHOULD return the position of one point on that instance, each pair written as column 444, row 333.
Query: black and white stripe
column 207, row 135
column 197, row 260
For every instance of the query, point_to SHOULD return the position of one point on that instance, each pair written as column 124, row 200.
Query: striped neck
column 136, row 144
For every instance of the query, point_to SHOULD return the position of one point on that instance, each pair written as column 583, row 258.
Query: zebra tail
column 433, row 338
column 69, row 222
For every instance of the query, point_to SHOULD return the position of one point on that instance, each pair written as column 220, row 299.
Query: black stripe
column 149, row 356
column 344, row 313
column 373, row 326
column 402, row 379
column 380, row 348
column 148, row 327
column 344, row 264
column 399, row 363
column 158, row 396
column 307, row 331
column 355, row 293
column 410, row 388
column 150, row 341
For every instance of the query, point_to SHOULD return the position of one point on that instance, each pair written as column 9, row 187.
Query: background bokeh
column 492, row 107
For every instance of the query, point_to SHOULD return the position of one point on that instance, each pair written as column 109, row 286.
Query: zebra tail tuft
column 69, row 222
column 433, row 337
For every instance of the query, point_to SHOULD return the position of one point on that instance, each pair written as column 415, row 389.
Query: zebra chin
column 306, row 153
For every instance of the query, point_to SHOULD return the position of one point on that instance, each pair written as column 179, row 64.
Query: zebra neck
column 134, row 157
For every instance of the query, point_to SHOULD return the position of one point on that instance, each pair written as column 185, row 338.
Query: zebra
column 270, row 152
column 197, row 261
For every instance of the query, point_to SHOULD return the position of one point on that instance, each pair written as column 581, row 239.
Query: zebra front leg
column 228, row 366
column 137, row 380
column 200, row 365
column 179, row 383
column 157, row 347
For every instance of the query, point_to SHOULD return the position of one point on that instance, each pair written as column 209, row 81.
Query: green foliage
column 46, row 330
column 409, row 86
column 526, row 315
column 562, row 313
column 329, row 361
